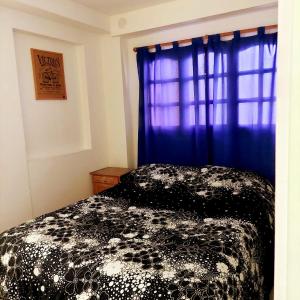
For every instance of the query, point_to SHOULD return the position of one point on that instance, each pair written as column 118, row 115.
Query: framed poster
column 49, row 75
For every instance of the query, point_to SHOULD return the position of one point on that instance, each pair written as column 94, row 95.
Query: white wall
column 48, row 147
column 112, row 80
column 288, row 145
column 15, row 202
column 282, row 146
column 63, row 126
column 229, row 22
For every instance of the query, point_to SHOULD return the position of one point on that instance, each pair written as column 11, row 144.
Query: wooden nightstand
column 106, row 178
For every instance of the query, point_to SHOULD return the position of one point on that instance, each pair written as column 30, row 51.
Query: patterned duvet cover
column 165, row 232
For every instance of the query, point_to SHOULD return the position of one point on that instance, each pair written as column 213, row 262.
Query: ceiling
column 112, row 7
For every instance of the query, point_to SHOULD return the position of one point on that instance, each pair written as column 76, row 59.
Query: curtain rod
column 229, row 33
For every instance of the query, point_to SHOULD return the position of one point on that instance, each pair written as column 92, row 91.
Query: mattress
column 165, row 232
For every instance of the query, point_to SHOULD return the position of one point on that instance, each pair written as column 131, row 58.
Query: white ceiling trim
column 178, row 12
column 112, row 7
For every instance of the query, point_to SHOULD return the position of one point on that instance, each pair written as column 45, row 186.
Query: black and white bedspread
column 165, row 232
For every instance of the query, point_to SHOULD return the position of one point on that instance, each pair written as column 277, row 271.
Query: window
column 178, row 97
column 256, row 74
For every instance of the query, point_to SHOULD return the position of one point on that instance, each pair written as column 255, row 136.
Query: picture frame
column 48, row 74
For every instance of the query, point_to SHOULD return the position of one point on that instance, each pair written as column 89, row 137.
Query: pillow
column 206, row 181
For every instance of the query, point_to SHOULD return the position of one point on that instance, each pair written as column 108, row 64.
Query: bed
column 165, row 232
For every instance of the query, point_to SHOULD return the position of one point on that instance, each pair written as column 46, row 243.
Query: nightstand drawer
column 100, row 187
column 105, row 179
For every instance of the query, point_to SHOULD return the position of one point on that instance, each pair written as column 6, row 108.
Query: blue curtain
column 210, row 103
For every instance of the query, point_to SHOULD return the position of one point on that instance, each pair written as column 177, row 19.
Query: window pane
column 201, row 85
column 211, row 57
column 202, row 115
column 249, row 59
column 164, row 68
column 269, row 56
column 266, row 113
column 187, row 67
column 188, row 91
column 248, row 113
column 220, row 114
column 217, row 63
column 248, row 86
column 274, row 114
column 164, row 93
column 165, row 116
column 201, row 64
column 189, row 116
column 211, row 114
column 218, row 88
column 268, row 88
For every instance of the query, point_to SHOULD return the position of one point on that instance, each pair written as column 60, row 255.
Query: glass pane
column 187, row 67
column 201, row 64
column 269, row 56
column 211, row 114
column 164, row 93
column 220, row 114
column 219, row 65
column 211, row 57
column 249, row 59
column 224, row 63
column 201, row 85
column 218, row 88
column 248, row 86
column 188, row 91
column 189, row 116
column 274, row 113
column 202, row 114
column 164, row 68
column 216, row 65
column 266, row 113
column 267, row 85
column 248, row 113
column 165, row 116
